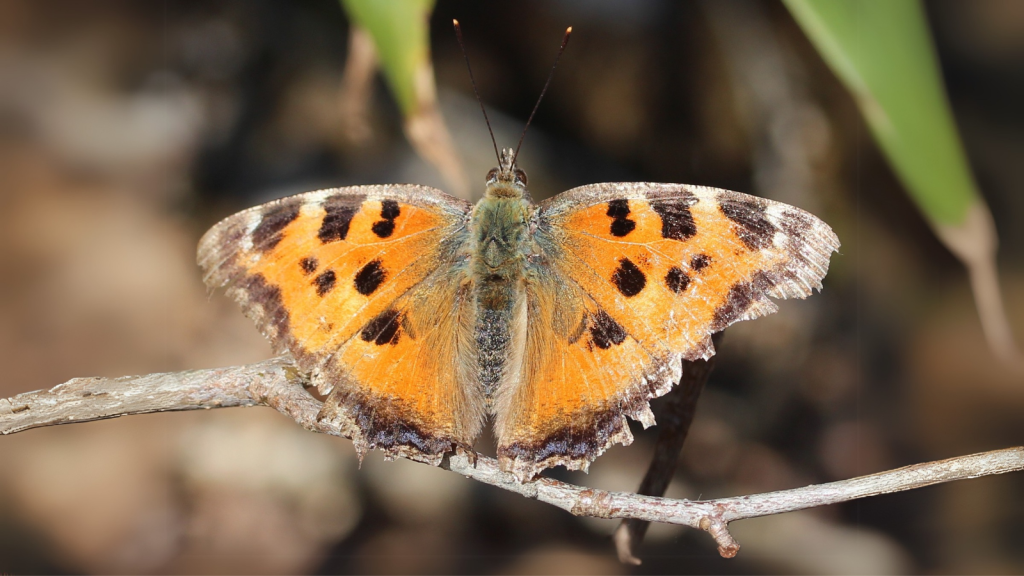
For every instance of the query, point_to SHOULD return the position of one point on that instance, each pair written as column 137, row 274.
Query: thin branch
column 86, row 399
column 276, row 383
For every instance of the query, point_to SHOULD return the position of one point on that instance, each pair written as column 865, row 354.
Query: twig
column 674, row 419
column 275, row 383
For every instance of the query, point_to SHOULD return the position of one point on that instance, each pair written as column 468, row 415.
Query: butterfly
column 422, row 316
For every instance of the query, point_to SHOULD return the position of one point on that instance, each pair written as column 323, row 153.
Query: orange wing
column 632, row 279
column 365, row 287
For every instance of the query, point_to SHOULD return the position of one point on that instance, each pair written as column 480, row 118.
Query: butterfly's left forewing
column 365, row 287
column 629, row 280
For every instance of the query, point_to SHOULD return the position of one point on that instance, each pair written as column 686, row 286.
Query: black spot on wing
column 676, row 280
column 622, row 227
column 268, row 232
column 751, row 224
column 699, row 262
column 369, row 278
column 618, row 208
column 389, row 210
column 629, row 279
column 383, row 328
column 619, row 211
column 309, row 264
column 383, row 228
column 325, row 282
column 676, row 220
column 338, row 218
column 605, row 331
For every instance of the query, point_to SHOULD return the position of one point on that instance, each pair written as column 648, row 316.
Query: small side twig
column 275, row 383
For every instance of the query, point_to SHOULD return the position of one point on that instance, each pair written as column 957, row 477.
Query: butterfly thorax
column 500, row 232
column 500, row 238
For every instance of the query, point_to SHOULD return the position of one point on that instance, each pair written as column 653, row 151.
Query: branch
column 277, row 384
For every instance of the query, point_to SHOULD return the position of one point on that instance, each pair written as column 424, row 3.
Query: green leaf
column 882, row 50
column 400, row 29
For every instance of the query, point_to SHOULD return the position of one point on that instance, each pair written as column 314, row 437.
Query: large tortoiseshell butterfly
column 422, row 315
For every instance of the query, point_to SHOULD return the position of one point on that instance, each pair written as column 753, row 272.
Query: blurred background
column 128, row 128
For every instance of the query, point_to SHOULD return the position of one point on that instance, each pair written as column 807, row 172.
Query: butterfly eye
column 492, row 174
column 521, row 177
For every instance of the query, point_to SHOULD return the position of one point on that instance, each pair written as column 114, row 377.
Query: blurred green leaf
column 882, row 50
column 400, row 29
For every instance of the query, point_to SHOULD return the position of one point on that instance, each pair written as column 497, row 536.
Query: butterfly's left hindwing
column 365, row 287
column 629, row 280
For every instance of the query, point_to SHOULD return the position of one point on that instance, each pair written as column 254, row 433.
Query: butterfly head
column 506, row 181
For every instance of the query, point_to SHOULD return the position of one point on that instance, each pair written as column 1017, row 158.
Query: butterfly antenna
column 458, row 35
column 565, row 41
